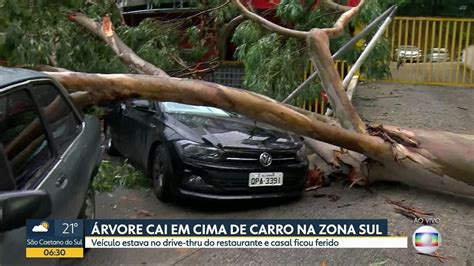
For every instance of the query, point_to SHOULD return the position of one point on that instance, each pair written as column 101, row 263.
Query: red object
column 263, row 4
column 353, row 2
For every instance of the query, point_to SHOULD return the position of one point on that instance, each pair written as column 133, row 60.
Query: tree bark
column 318, row 44
column 122, row 86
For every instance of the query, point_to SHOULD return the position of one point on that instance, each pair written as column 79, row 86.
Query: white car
column 407, row 53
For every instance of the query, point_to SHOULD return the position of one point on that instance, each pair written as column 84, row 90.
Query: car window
column 172, row 107
column 23, row 137
column 63, row 122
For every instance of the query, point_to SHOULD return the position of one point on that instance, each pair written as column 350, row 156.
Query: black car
column 206, row 152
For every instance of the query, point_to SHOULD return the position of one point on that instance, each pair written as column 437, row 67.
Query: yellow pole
column 459, row 51
column 453, row 46
column 432, row 46
column 398, row 47
column 405, row 73
column 413, row 74
column 420, row 22
column 446, row 47
column 425, row 50
column 392, row 47
column 465, row 47
column 439, row 46
column 472, row 71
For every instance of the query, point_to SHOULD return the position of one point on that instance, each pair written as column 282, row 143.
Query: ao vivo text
column 426, row 220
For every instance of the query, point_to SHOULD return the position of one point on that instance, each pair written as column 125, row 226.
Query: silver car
column 438, row 55
column 407, row 53
column 49, row 152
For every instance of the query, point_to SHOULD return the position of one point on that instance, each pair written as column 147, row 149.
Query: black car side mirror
column 16, row 207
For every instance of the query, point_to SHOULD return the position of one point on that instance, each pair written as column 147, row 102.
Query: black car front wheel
column 161, row 174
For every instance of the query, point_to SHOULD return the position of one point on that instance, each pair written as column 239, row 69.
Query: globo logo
column 426, row 239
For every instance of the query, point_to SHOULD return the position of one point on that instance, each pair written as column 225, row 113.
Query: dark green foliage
column 113, row 175
column 33, row 33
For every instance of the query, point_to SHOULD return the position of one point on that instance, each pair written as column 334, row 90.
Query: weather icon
column 42, row 227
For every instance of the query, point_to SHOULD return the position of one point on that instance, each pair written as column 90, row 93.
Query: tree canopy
column 38, row 32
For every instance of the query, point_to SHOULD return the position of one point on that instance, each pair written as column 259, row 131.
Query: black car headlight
column 301, row 154
column 194, row 150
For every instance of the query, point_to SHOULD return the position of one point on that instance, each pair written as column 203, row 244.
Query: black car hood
column 231, row 132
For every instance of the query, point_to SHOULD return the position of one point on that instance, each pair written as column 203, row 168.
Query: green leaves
column 290, row 10
column 112, row 175
column 35, row 33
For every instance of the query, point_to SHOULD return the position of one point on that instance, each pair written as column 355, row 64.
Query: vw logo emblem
column 265, row 159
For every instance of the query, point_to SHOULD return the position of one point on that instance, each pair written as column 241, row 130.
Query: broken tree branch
column 330, row 4
column 333, row 32
column 229, row 28
column 342, row 21
column 268, row 24
column 318, row 44
column 126, row 55
column 344, row 49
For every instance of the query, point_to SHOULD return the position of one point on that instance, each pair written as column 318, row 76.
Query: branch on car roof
column 431, row 159
column 123, row 86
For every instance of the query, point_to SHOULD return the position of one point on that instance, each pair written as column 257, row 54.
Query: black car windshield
column 179, row 108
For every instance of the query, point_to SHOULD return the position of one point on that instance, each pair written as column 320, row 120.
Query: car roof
column 9, row 76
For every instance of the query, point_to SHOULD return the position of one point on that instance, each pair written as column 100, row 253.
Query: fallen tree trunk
column 440, row 161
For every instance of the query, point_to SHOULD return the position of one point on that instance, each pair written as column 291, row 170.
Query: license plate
column 265, row 179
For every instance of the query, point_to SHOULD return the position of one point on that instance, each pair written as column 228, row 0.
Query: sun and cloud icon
column 42, row 227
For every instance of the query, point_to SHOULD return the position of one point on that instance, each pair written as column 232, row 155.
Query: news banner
column 68, row 238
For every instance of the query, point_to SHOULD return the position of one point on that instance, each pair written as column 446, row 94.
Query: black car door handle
column 60, row 180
